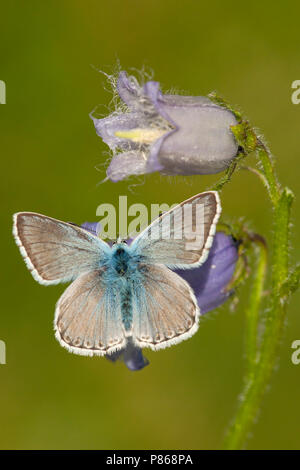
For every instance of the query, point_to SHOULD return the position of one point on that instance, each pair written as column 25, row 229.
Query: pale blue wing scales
column 56, row 251
column 88, row 317
column 182, row 236
column 164, row 309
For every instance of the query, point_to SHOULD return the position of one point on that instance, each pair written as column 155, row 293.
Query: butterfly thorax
column 121, row 260
column 122, row 263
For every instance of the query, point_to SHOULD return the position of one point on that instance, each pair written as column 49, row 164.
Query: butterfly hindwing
column 88, row 317
column 164, row 309
column 56, row 251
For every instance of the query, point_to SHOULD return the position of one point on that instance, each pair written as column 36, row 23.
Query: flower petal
column 93, row 227
column 152, row 91
column 199, row 143
column 132, row 357
column 128, row 89
column 210, row 280
column 202, row 143
column 153, row 161
column 106, row 128
column 125, row 164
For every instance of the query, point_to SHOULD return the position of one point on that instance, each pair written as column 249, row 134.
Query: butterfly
column 121, row 293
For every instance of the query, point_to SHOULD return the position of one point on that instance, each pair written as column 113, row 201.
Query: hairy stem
column 256, row 295
column 229, row 172
column 263, row 359
column 268, row 168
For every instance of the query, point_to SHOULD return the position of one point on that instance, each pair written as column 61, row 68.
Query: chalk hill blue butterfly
column 120, row 293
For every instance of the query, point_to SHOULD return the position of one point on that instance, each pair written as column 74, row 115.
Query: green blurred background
column 50, row 53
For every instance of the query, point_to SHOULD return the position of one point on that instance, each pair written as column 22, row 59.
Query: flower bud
column 172, row 134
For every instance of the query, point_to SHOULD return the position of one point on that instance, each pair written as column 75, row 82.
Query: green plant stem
column 229, row 172
column 293, row 281
column 256, row 295
column 258, row 375
column 262, row 356
column 269, row 172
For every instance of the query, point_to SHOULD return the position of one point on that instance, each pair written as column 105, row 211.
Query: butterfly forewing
column 56, row 251
column 182, row 236
column 164, row 309
column 88, row 317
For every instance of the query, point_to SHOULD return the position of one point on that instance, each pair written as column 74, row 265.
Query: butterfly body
column 121, row 294
column 124, row 272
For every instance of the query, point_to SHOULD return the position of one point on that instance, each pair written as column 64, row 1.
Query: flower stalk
column 255, row 300
column 261, row 356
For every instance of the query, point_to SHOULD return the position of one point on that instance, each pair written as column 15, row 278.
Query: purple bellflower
column 209, row 282
column 172, row 134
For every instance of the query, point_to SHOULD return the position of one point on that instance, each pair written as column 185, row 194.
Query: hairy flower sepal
column 210, row 283
column 172, row 134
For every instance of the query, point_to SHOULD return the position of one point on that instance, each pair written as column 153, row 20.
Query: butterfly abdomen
column 126, row 307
